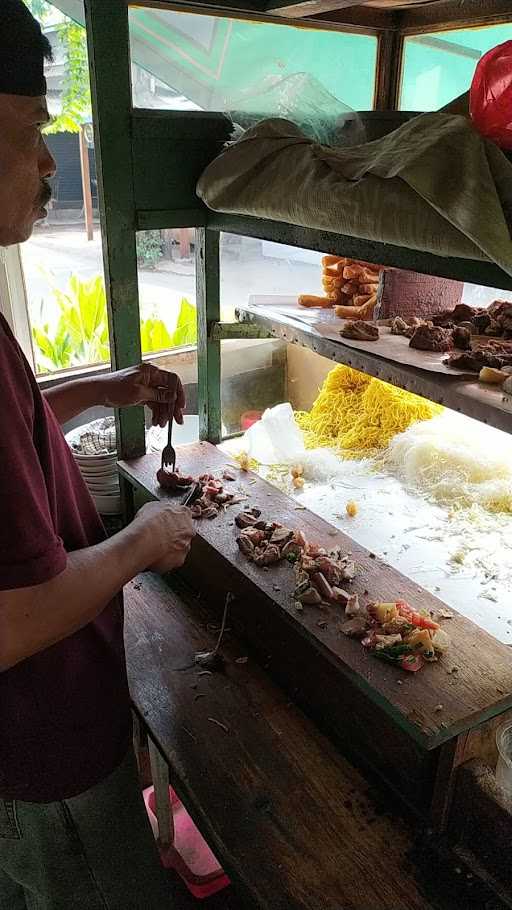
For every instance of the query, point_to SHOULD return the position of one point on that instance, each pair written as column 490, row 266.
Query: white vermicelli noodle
column 455, row 461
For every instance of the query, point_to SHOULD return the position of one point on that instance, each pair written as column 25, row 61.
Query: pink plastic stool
column 190, row 855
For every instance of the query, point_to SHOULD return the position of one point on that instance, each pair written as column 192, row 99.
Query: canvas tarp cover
column 433, row 185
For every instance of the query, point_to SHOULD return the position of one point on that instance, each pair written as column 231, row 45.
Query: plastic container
column 504, row 766
column 190, row 855
column 249, row 418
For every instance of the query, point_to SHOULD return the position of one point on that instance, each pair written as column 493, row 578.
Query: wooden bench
column 414, row 730
column 295, row 826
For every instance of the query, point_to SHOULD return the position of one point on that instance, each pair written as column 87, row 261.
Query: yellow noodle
column 356, row 413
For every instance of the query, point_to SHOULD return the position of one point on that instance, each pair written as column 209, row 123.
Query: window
column 53, row 288
column 438, row 68
column 188, row 61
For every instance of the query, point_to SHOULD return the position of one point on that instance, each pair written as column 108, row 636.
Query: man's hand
column 146, row 384
column 34, row 618
column 171, row 528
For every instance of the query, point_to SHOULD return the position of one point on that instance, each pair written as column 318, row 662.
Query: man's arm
column 72, row 398
column 142, row 384
column 33, row 618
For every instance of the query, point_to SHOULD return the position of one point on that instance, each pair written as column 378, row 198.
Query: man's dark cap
column 23, row 50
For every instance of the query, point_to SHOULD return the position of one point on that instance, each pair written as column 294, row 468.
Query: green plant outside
column 150, row 248
column 80, row 337
column 76, row 94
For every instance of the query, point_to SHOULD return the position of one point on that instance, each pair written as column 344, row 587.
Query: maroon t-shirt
column 64, row 713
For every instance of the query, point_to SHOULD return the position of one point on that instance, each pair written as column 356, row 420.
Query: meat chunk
column 431, row 338
column 360, row 331
column 400, row 327
column 473, row 361
column 461, row 338
column 173, row 480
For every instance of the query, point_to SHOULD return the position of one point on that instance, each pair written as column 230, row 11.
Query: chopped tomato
column 412, row 663
column 416, row 619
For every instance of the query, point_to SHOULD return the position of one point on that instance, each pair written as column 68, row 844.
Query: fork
column 169, row 452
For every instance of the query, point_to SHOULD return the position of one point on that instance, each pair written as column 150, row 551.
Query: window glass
column 188, row 61
column 439, row 67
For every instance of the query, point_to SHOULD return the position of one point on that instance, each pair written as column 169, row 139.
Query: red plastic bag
column 490, row 98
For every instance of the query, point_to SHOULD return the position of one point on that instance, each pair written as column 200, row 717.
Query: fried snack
column 346, row 282
column 357, row 312
column 361, row 273
column 361, row 299
column 347, row 312
column 332, row 282
column 331, row 260
column 369, row 289
column 311, row 300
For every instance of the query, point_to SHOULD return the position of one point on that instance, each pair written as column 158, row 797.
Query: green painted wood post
column 109, row 64
column 208, row 350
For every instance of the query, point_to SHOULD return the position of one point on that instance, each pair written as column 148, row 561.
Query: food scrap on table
column 390, row 631
column 396, row 633
column 213, row 498
column 319, row 573
column 351, row 509
column 349, row 285
column 297, row 474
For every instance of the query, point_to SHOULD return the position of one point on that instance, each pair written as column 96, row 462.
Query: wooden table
column 293, row 823
column 413, row 729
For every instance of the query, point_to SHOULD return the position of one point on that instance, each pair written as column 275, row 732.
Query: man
column 73, row 831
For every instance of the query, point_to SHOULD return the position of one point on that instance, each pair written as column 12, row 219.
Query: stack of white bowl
column 94, row 450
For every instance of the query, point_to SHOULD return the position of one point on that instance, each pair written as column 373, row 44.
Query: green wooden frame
column 136, row 147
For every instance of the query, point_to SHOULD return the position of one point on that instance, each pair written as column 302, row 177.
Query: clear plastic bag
column 490, row 98
column 303, row 100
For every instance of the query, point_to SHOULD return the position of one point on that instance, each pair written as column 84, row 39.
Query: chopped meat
column 500, row 308
column 443, row 319
column 481, row 320
column 463, row 313
column 360, row 331
column 431, row 338
column 400, row 327
column 461, row 338
column 473, row 361
column 173, row 480
column 494, row 329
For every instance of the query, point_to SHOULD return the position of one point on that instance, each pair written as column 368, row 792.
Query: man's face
column 25, row 165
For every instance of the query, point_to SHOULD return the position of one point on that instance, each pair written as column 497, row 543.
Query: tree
column 76, row 94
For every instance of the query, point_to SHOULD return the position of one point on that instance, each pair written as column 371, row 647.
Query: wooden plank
column 160, row 777
column 294, row 825
column 208, row 348
column 296, row 10
column 442, row 16
column 482, row 403
column 479, row 690
column 474, row 271
column 109, row 63
column 365, row 18
column 389, row 71
column 358, row 18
